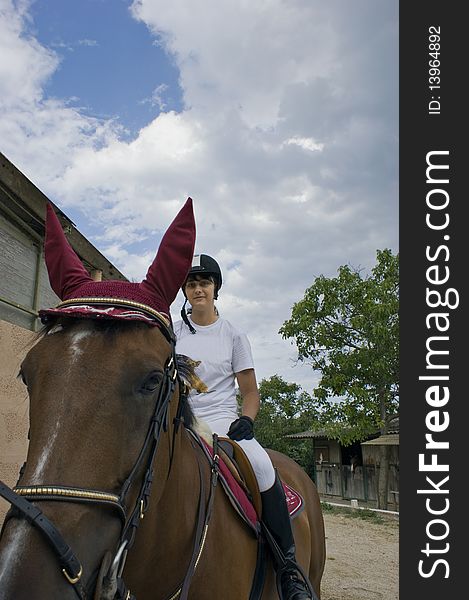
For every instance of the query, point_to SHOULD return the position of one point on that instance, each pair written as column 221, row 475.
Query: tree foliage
column 347, row 327
column 285, row 409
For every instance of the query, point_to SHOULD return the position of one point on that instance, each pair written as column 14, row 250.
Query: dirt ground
column 362, row 558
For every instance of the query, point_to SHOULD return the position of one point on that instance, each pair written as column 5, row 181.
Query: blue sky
column 280, row 120
column 110, row 65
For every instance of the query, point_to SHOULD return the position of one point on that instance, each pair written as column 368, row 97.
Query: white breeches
column 258, row 457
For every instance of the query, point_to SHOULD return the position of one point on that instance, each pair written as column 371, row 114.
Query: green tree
column 285, row 399
column 347, row 328
column 285, row 409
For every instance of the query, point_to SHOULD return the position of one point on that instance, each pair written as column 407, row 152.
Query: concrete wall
column 14, row 404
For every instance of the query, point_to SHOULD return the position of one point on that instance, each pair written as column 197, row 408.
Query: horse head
column 102, row 381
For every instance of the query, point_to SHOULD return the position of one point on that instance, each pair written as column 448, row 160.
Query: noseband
column 69, row 564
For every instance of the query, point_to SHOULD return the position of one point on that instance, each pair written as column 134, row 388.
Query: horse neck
column 183, row 482
column 167, row 532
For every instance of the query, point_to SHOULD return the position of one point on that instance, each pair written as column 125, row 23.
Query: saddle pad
column 236, row 490
column 294, row 500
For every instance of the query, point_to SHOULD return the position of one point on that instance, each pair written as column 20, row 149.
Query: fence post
column 365, row 483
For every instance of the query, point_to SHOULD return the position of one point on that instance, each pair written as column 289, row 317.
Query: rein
column 69, row 564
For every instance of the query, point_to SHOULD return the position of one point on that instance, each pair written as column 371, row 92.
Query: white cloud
column 41, row 136
column 241, row 54
column 306, row 143
column 157, row 97
column 25, row 65
column 287, row 144
column 88, row 42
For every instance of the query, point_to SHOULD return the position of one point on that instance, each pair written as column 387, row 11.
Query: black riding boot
column 277, row 520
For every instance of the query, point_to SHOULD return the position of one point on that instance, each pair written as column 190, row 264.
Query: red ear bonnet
column 66, row 272
column 173, row 259
column 83, row 297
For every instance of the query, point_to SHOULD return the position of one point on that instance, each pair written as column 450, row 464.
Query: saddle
column 238, row 463
column 240, row 483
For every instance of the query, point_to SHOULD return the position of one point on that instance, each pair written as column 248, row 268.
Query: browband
column 117, row 302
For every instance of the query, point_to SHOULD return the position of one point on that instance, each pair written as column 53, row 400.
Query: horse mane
column 186, row 369
column 185, row 364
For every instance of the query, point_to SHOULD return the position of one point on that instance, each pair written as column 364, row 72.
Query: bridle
column 20, row 496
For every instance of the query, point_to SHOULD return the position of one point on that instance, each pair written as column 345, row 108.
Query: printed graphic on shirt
column 186, row 367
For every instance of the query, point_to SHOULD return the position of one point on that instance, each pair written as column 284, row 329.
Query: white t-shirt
column 223, row 351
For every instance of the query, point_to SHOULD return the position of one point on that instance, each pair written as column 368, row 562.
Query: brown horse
column 92, row 388
column 110, row 449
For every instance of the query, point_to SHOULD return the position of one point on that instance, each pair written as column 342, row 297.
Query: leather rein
column 68, row 562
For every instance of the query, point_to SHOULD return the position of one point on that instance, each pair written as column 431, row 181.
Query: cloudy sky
column 278, row 117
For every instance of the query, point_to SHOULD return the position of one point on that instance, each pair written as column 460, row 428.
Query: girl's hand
column 241, row 429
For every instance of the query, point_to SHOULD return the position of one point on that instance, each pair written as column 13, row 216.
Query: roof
column 23, row 202
column 389, row 439
column 307, row 435
column 393, row 429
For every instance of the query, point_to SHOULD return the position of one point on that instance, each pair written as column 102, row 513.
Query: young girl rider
column 226, row 358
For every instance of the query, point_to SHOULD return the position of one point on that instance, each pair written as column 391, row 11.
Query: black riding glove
column 241, row 429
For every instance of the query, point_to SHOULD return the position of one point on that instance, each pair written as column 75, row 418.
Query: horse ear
column 66, row 271
column 174, row 258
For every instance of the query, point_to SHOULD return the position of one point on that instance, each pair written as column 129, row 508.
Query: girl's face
column 200, row 291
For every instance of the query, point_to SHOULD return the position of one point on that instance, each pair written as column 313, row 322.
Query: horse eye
column 151, row 383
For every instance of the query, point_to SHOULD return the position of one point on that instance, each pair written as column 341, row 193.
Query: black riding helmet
column 202, row 264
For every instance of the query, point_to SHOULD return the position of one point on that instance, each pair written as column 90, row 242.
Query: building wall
column 333, row 478
column 24, row 289
column 24, row 284
column 327, row 450
column 14, row 405
column 371, row 455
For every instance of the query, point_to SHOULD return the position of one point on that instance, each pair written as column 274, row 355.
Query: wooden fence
column 360, row 483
